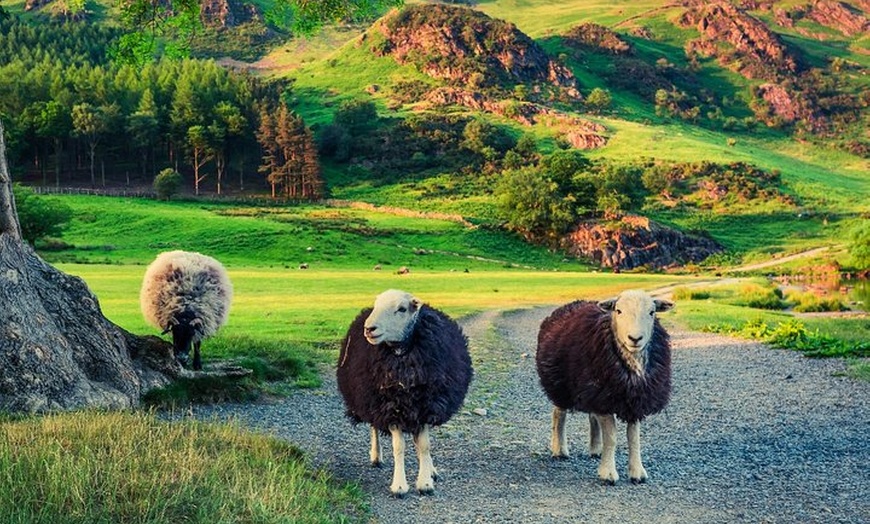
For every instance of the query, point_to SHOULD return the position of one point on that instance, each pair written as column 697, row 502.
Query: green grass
column 743, row 310
column 133, row 231
column 132, row 467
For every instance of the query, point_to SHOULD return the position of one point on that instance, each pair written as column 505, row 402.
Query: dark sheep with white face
column 404, row 367
column 609, row 359
column 188, row 294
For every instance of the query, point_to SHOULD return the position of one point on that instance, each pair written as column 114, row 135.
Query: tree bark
column 57, row 350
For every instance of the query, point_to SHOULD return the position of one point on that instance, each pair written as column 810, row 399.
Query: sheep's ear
column 607, row 305
column 415, row 304
column 663, row 305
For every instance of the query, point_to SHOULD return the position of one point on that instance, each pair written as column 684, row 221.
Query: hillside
column 739, row 122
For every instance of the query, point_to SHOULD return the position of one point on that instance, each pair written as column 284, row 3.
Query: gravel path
column 751, row 435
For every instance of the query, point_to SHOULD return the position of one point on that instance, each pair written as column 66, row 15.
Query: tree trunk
column 57, row 350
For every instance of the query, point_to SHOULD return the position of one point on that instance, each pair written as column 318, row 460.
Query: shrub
column 167, row 183
column 810, row 303
column 859, row 245
column 687, row 293
column 598, row 100
column 39, row 217
column 760, row 297
column 534, row 205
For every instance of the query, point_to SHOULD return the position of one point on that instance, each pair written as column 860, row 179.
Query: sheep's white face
column 393, row 317
column 633, row 314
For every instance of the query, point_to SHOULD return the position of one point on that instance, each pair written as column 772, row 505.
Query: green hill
column 425, row 110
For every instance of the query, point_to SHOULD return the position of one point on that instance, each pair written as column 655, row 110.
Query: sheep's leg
column 607, row 467
column 426, row 475
column 197, row 360
column 400, row 483
column 594, row 437
column 636, row 471
column 375, row 453
column 558, row 444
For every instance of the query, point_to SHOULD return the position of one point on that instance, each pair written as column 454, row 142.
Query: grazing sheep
column 404, row 367
column 607, row 358
column 188, row 294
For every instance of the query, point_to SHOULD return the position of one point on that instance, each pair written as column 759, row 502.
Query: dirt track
column 751, row 435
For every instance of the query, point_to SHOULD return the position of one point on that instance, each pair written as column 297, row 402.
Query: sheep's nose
column 635, row 340
column 370, row 329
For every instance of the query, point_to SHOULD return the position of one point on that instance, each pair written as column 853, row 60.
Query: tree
column 534, row 205
column 39, row 217
column 174, row 22
column 598, row 100
column 200, row 152
column 57, row 350
column 91, row 123
column 167, row 183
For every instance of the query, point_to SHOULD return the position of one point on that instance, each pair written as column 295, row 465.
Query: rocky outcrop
column 580, row 133
column 839, row 16
column 755, row 50
column 466, row 47
column 36, row 4
column 597, row 37
column 634, row 242
column 227, row 13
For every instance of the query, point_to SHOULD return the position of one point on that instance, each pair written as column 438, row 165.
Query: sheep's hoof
column 377, row 464
column 595, row 455
column 560, row 457
column 399, row 491
column 426, row 491
column 608, row 482
column 640, row 480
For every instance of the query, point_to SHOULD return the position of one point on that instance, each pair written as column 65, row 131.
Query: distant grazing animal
column 404, row 367
column 188, row 294
column 607, row 358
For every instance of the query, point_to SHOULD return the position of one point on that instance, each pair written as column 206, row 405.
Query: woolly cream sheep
column 404, row 367
column 609, row 359
column 188, row 294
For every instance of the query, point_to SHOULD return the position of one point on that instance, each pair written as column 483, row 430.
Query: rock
column 636, row 241
column 839, row 16
column 598, row 37
column 467, row 47
column 756, row 51
column 480, row 411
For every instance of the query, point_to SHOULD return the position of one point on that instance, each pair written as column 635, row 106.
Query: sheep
column 403, row 367
column 607, row 358
column 188, row 294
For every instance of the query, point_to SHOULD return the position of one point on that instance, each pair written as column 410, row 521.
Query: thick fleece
column 580, row 367
column 424, row 382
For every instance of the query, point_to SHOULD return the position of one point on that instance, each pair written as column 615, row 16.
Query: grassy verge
column 132, row 467
column 756, row 311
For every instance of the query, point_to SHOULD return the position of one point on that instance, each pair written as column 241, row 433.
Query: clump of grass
column 760, row 297
column 690, row 293
column 794, row 335
column 132, row 467
column 805, row 302
column 275, row 370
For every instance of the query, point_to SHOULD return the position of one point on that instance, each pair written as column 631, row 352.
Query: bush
column 39, row 217
column 167, row 183
column 760, row 297
column 810, row 303
column 598, row 100
column 859, row 245
column 534, row 205
column 687, row 293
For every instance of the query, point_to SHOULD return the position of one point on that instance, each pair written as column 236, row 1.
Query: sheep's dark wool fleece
column 580, row 367
column 425, row 384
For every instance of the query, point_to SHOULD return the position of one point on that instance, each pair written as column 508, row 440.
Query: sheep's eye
column 402, row 309
column 652, row 313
